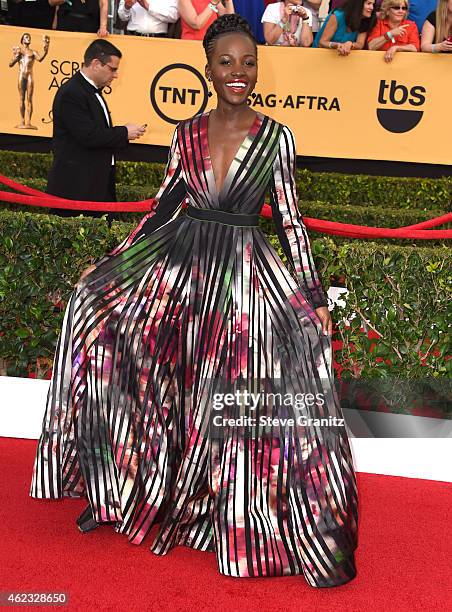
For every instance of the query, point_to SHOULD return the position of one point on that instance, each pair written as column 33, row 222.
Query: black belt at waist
column 220, row 216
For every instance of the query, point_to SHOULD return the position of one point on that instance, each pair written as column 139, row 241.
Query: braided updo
column 227, row 24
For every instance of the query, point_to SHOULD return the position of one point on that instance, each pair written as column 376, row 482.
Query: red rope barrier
column 49, row 201
column 447, row 218
column 418, row 231
column 360, row 231
column 23, row 188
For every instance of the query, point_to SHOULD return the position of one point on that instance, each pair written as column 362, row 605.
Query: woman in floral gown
column 190, row 307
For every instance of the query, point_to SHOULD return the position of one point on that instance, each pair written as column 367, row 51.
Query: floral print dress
column 189, row 310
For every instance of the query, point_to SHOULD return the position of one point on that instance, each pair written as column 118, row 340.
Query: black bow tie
column 95, row 89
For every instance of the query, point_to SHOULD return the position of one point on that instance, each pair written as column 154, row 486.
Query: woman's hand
column 225, row 9
column 399, row 31
column 389, row 55
column 345, row 48
column 301, row 12
column 86, row 272
column 102, row 32
column 221, row 9
column 287, row 10
column 325, row 318
column 444, row 47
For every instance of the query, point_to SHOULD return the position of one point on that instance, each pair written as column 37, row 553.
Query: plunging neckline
column 249, row 136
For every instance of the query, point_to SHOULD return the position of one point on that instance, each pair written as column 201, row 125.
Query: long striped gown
column 183, row 311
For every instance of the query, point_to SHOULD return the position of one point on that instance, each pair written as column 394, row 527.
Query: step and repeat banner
column 355, row 107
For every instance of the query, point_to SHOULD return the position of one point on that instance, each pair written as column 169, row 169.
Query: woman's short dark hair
column 227, row 24
column 101, row 50
column 353, row 10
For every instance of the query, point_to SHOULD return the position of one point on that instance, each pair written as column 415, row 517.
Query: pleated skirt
column 152, row 341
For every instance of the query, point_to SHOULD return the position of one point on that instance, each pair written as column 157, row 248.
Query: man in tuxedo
column 84, row 139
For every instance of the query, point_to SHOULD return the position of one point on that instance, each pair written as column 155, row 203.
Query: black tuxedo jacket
column 83, row 144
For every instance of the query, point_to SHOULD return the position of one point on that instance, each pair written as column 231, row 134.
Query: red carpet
column 403, row 559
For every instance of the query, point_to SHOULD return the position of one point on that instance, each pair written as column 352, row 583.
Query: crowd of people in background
column 391, row 26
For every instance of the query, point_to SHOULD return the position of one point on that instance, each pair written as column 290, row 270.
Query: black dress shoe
column 85, row 521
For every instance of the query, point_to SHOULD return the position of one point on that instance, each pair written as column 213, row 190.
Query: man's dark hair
column 353, row 10
column 101, row 50
column 227, row 24
column 23, row 36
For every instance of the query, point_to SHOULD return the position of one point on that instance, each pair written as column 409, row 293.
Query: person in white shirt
column 148, row 17
column 314, row 7
column 287, row 23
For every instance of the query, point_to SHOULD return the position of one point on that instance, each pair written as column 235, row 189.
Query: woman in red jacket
column 197, row 15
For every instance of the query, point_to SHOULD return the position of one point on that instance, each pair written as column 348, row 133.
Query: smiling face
column 398, row 11
column 368, row 7
column 232, row 68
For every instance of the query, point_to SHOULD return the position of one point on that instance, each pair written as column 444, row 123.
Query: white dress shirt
column 104, row 107
column 315, row 15
column 155, row 20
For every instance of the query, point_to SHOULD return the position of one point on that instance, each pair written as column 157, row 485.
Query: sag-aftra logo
column 400, row 120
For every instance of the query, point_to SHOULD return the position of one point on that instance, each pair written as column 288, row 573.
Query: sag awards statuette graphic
column 25, row 57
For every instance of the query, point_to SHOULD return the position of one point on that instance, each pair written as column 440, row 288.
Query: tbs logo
column 400, row 120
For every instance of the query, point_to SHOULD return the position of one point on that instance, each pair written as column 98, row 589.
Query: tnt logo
column 178, row 92
column 400, row 120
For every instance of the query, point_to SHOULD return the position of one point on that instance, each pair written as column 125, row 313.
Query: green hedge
column 28, row 165
column 403, row 292
column 340, row 189
column 387, row 192
column 41, row 257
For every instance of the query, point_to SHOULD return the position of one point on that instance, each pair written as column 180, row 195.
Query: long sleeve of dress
column 289, row 223
column 168, row 201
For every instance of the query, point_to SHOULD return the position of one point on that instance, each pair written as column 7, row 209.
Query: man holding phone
column 84, row 139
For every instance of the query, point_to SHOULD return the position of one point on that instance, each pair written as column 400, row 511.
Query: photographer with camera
column 287, row 23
